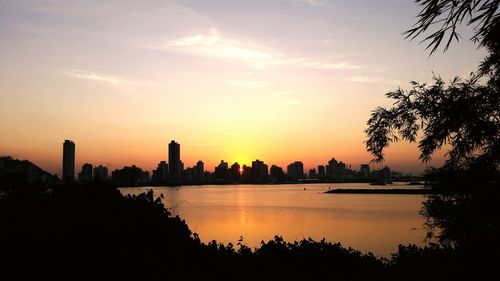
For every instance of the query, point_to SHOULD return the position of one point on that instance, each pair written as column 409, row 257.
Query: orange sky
column 275, row 80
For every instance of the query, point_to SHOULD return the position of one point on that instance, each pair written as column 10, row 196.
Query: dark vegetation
column 83, row 232
column 463, row 117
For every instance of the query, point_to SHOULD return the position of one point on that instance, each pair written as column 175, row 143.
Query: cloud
column 251, row 84
column 372, row 79
column 213, row 44
column 105, row 78
column 326, row 42
column 318, row 63
column 316, row 3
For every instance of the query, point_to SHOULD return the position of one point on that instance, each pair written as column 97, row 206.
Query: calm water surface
column 368, row 222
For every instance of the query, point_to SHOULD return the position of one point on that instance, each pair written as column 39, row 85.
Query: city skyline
column 173, row 168
column 70, row 157
column 226, row 79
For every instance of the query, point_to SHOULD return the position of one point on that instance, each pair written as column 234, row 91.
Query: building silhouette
column 85, row 176
column 335, row 168
column 259, row 171
column 235, row 172
column 277, row 173
column 245, row 173
column 199, row 171
column 129, row 176
column 160, row 175
column 295, row 170
column 321, row 171
column 174, row 160
column 364, row 170
column 68, row 166
column 312, row 173
column 100, row 173
column 221, row 172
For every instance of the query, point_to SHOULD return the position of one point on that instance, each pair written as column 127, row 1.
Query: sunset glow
column 278, row 81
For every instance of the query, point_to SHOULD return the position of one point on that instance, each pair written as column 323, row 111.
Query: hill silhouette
column 14, row 171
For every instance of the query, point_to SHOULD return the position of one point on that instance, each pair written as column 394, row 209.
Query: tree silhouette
column 449, row 14
column 464, row 114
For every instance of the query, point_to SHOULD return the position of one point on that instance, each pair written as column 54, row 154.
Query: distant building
column 188, row 174
column 259, row 171
column 312, row 173
column 321, row 171
column 234, row 172
column 100, row 173
column 174, row 160
column 85, row 176
column 68, row 167
column 384, row 173
column 364, row 170
column 277, row 173
column 160, row 175
column 245, row 173
column 335, row 168
column 129, row 176
column 295, row 170
column 222, row 171
column 199, row 171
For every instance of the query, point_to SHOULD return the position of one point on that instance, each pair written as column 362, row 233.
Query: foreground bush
column 95, row 232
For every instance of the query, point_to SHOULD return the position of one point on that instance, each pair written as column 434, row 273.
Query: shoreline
column 420, row 191
column 403, row 183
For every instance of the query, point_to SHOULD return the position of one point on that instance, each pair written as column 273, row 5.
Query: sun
column 241, row 170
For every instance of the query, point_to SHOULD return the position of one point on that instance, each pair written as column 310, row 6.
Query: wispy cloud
column 316, row 3
column 251, row 84
column 373, row 79
column 326, row 42
column 105, row 78
column 213, row 44
column 317, row 63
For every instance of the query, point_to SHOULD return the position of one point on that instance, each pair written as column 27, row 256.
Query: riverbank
column 416, row 191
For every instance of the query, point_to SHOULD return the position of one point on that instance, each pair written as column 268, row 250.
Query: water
column 375, row 223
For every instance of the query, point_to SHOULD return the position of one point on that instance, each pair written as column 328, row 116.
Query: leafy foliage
column 464, row 114
column 447, row 15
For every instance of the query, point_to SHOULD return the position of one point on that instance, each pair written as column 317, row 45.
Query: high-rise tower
column 174, row 160
column 68, row 166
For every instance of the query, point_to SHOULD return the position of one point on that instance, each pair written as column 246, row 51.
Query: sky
column 276, row 80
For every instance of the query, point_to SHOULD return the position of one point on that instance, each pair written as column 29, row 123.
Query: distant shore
column 416, row 191
column 180, row 184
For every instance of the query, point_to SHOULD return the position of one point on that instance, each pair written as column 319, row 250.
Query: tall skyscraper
column 68, row 167
column 174, row 160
